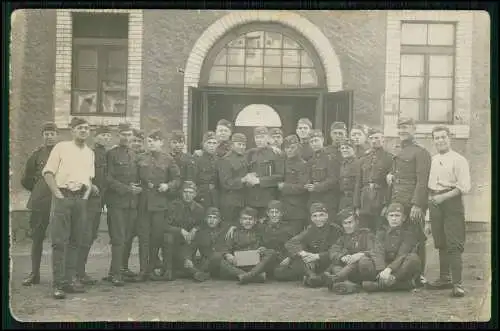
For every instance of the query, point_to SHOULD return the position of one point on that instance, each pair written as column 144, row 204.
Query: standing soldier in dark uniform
column 304, row 127
column 358, row 138
column 206, row 172
column 232, row 172
column 324, row 172
column 266, row 171
column 349, row 173
column 40, row 198
column 276, row 141
column 121, row 199
column 184, row 161
column 95, row 203
column 409, row 178
column 370, row 195
column 338, row 133
column 293, row 194
column 159, row 175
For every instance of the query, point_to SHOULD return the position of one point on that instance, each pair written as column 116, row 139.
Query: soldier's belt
column 436, row 192
column 73, row 194
column 404, row 181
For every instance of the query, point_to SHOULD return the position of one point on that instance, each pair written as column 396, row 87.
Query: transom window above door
column 262, row 58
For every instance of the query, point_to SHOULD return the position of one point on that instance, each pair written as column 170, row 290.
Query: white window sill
column 97, row 120
column 459, row 131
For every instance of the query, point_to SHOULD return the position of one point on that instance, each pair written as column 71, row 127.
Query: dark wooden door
column 337, row 106
column 196, row 120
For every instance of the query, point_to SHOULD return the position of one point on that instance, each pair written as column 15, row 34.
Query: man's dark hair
column 438, row 128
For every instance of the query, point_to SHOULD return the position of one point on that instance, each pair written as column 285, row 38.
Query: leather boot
column 371, row 286
column 31, row 279
column 345, row 287
column 230, row 269
column 258, row 270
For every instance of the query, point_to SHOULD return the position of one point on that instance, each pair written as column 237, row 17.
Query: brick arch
column 209, row 38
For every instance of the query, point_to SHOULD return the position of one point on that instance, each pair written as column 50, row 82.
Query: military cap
column 275, row 204
column 346, row 142
column 138, row 133
column 290, row 140
column 316, row 133
column 124, row 127
column 249, row 211
column 213, row 211
column 260, row 130
column 49, row 126
column 358, row 127
column 102, row 129
column 275, row 131
column 75, row 121
column 338, row 126
column 318, row 207
column 188, row 185
column 344, row 214
column 372, row 131
column 395, row 207
column 177, row 135
column 406, row 121
column 238, row 138
column 156, row 135
column 305, row 121
column 209, row 135
column 225, row 123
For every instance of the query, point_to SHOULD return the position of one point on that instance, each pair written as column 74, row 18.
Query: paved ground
column 183, row 300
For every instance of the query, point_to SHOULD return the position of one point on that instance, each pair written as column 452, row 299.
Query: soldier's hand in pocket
column 230, row 232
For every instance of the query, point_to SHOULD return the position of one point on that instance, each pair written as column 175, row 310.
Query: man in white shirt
column 449, row 179
column 69, row 172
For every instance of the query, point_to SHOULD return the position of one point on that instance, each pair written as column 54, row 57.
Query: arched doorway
column 255, row 115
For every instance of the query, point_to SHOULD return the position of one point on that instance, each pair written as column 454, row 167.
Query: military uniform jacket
column 231, row 169
column 391, row 247
column 185, row 216
column 122, row 171
column 370, row 194
column 206, row 174
column 100, row 168
column 293, row 194
column 361, row 240
column 324, row 173
column 269, row 168
column 305, row 150
column 334, row 152
column 411, row 168
column 187, row 168
column 210, row 240
column 275, row 236
column 360, row 150
column 349, row 172
column 34, row 182
column 223, row 148
column 157, row 168
column 244, row 240
column 314, row 240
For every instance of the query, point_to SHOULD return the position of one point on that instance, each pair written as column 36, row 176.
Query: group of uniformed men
column 347, row 216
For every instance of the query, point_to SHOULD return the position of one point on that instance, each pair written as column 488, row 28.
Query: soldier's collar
column 408, row 142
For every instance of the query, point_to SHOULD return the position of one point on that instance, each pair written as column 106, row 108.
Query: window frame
column 426, row 51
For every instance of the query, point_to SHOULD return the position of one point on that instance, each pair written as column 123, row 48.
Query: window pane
column 255, row 39
column 289, row 43
column 441, row 34
column 273, row 40
column 413, row 34
column 221, row 58
column 84, row 102
column 409, row 108
column 254, row 76
column 272, row 57
column 217, row 75
column 238, row 42
column 235, row 75
column 441, row 65
column 291, row 58
column 412, row 87
column 117, row 59
column 440, row 88
column 440, row 110
column 254, row 57
column 308, row 78
column 306, row 60
column 87, row 79
column 114, row 102
column 412, row 65
column 87, row 58
column 272, row 76
column 115, row 79
column 236, row 57
column 291, row 77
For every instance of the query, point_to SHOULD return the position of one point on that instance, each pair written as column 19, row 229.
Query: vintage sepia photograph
column 250, row 165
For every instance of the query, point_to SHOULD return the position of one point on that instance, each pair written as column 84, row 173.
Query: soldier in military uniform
column 293, row 194
column 409, row 177
column 137, row 144
column 121, row 199
column 266, row 171
column 370, row 194
column 324, row 173
column 40, row 199
column 232, row 172
column 276, row 141
column 223, row 133
column 358, row 138
column 349, row 173
column 184, row 161
column 396, row 264
column 95, row 203
column 304, row 127
column 338, row 133
column 159, row 175
column 351, row 256
column 206, row 172
column 308, row 255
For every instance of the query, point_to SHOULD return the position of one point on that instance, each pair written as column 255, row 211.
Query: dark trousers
column 230, row 214
column 418, row 230
column 408, row 269
column 67, row 217
column 131, row 234
column 39, row 221
column 448, row 231
column 90, row 231
column 297, row 269
column 120, row 220
column 357, row 272
column 151, row 228
column 211, row 264
column 175, row 251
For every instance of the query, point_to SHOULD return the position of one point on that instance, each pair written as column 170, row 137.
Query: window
column 100, row 61
column 427, row 71
column 264, row 58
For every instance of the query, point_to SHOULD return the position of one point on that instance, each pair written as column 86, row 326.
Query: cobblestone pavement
column 183, row 300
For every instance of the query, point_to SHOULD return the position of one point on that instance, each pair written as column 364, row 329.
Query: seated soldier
column 396, row 263
column 350, row 256
column 308, row 251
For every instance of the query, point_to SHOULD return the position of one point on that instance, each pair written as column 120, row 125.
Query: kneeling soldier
column 308, row 250
column 351, row 259
column 395, row 261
